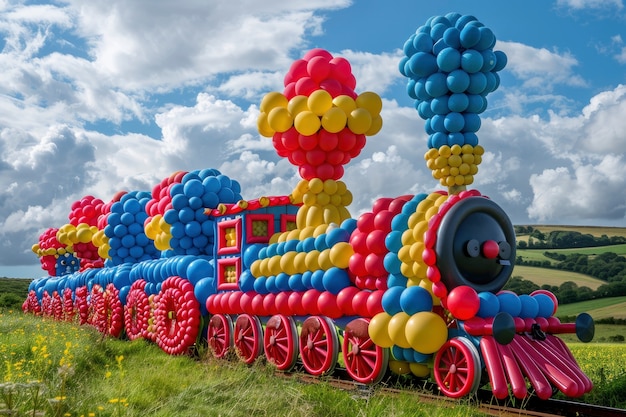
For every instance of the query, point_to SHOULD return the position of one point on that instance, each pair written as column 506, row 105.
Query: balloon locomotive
column 413, row 286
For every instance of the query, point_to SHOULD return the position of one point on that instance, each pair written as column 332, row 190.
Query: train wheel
column 457, row 368
column 319, row 345
column 281, row 342
column 247, row 338
column 136, row 310
column 365, row 361
column 220, row 335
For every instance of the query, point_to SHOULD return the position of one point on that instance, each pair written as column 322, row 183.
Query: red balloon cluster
column 87, row 210
column 177, row 316
column 319, row 123
column 81, row 305
column 47, row 249
column 318, row 69
column 137, row 310
column 108, row 314
column 161, row 198
column 368, row 242
column 68, row 305
column 31, row 304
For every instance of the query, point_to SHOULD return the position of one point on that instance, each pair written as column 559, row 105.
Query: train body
column 413, row 286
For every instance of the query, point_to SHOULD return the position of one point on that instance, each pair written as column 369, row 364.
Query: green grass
column 598, row 309
column 597, row 231
column 75, row 372
column 555, row 277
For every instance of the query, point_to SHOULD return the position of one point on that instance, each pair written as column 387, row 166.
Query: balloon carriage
column 413, row 286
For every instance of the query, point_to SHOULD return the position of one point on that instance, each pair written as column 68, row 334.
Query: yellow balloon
column 316, row 185
column 255, row 268
column 340, row 254
column 263, row 126
column 324, row 260
column 370, row 101
column 315, row 216
column 399, row 367
column 299, row 262
column 287, row 263
column 297, row 104
column 378, row 330
column 162, row 242
column 397, row 323
column 319, row 102
column 279, row 119
column 419, row 369
column 330, row 187
column 334, row 120
column 272, row 100
column 426, row 332
column 83, row 235
column 311, row 260
column 307, row 123
column 377, row 124
column 345, row 103
column 331, row 215
column 359, row 121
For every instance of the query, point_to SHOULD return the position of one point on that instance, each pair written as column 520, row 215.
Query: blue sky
column 98, row 97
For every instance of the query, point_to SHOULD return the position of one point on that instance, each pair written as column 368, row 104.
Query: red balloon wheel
column 319, row 345
column 365, row 361
column 136, row 310
column 247, row 338
column 113, row 311
column 68, row 305
column 457, row 368
column 281, row 342
column 220, row 335
column 177, row 316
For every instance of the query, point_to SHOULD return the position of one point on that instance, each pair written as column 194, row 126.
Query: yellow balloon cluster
column 51, row 251
column 69, row 234
column 324, row 202
column 292, row 262
column 101, row 241
column 454, row 165
column 158, row 230
column 320, row 110
column 424, row 332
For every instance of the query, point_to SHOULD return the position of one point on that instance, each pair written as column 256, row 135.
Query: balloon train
column 413, row 286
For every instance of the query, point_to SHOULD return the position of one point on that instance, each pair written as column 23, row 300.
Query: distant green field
column 555, row 277
column 597, row 231
column 537, row 254
column 598, row 309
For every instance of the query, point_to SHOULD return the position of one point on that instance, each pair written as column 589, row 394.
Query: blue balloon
column 510, row 303
column 391, row 300
column 282, row 282
column 259, row 285
column 199, row 269
column 471, row 61
column 193, row 188
column 423, row 64
column 449, row 59
column 317, row 280
column 439, row 139
column 203, row 290
column 437, row 30
column 452, row 37
column 335, row 279
column 422, row 42
column 336, row 235
column 439, row 105
column 179, row 201
column 489, row 305
column 436, row 84
column 396, row 280
column 420, row 89
column 424, row 110
column 470, row 36
column 408, row 47
column 530, row 307
column 476, row 103
column 458, row 81
column 545, row 305
column 454, row 122
column 501, row 60
column 478, row 83
column 415, row 299
column 472, row 122
column 458, row 102
column 456, row 138
column 295, row 283
column 307, row 276
column 489, row 60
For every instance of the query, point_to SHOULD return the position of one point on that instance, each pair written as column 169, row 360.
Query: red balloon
column 347, row 140
column 282, row 303
column 344, row 300
column 338, row 172
column 225, row 302
column 295, row 303
column 359, row 303
column 316, row 157
column 374, row 265
column 381, row 204
column 257, row 305
column 376, row 242
column 307, row 171
column 356, row 264
column 325, row 171
column 374, row 305
column 290, row 90
column 289, row 139
column 383, row 219
column 245, row 302
column 327, row 141
column 463, row 302
column 440, row 290
column 327, row 305
column 234, row 302
column 296, row 71
column 269, row 304
column 317, row 52
column 305, row 86
column 307, row 142
column 358, row 240
column 333, row 87
column 340, row 69
column 309, row 301
column 318, row 68
column 299, row 157
column 334, row 156
column 365, row 222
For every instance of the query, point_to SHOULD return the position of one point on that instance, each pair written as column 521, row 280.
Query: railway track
column 484, row 400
